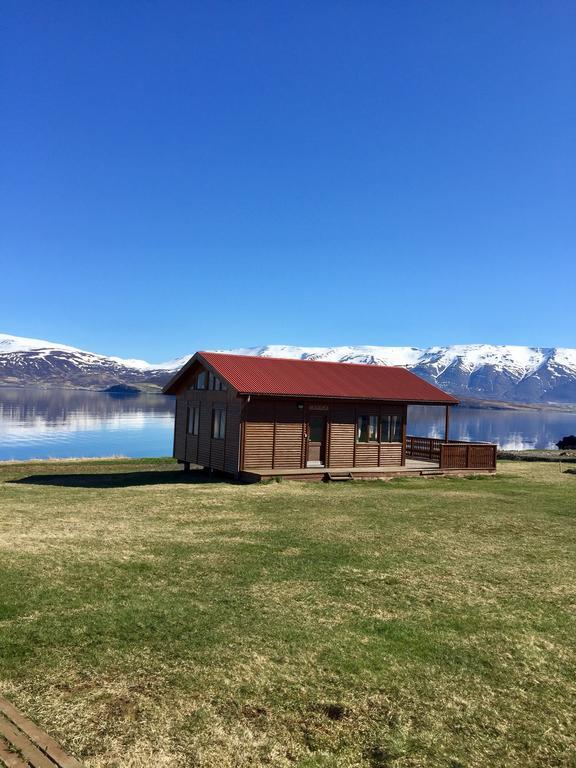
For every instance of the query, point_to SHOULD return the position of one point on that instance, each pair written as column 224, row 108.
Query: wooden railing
column 456, row 454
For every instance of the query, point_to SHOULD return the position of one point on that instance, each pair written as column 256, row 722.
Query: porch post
column 447, row 424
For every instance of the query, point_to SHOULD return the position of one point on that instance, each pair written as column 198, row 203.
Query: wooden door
column 316, row 450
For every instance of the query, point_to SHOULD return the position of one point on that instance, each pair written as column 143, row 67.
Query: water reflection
column 511, row 430
column 38, row 423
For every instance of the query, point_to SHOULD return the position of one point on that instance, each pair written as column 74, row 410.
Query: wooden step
column 334, row 476
column 24, row 745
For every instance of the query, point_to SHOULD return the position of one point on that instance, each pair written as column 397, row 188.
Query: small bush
column 567, row 442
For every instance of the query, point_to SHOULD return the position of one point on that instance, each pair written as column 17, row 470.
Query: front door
column 316, row 440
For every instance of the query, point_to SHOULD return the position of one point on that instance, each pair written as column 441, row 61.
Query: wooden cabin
column 255, row 417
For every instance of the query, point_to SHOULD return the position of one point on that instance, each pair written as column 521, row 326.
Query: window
column 218, row 423
column 201, row 380
column 193, row 419
column 391, row 429
column 215, row 383
column 367, row 429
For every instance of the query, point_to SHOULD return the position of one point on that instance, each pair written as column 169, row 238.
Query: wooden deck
column 413, row 467
column 24, row 745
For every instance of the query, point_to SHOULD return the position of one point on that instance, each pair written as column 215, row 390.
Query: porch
column 451, row 454
column 442, row 461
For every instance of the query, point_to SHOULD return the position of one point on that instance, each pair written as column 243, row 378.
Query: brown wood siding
column 217, row 448
column 273, row 435
column 390, row 454
column 231, row 457
column 180, row 428
column 205, row 432
column 342, row 437
column 259, row 435
column 366, row 455
column 288, row 436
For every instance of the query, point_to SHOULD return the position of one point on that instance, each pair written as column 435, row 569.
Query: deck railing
column 455, row 454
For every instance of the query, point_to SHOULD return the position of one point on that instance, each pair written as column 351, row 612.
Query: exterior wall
column 203, row 449
column 274, row 435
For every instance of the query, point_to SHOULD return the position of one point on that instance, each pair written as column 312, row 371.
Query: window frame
column 218, row 423
column 372, row 428
column 204, row 376
column 389, row 419
column 193, row 420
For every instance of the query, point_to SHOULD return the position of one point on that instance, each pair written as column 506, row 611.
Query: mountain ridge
column 482, row 371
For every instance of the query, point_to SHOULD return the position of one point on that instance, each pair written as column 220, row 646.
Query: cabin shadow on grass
column 121, row 479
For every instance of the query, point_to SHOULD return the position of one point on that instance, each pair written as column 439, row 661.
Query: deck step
column 24, row 745
column 334, row 476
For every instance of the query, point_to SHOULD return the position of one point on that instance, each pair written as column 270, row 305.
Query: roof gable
column 287, row 377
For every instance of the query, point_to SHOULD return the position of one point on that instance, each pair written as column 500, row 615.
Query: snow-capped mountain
column 35, row 361
column 483, row 371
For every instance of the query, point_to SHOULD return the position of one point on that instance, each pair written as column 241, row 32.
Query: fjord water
column 64, row 423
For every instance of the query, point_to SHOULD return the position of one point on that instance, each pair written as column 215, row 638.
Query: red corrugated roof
column 312, row 378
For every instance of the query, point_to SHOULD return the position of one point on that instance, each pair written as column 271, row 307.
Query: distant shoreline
column 153, row 389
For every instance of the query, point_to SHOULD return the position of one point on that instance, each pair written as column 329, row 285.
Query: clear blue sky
column 183, row 175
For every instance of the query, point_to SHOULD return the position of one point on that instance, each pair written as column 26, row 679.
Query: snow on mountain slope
column 484, row 371
column 35, row 361
column 512, row 373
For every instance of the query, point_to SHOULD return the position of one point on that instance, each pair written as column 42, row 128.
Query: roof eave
column 450, row 400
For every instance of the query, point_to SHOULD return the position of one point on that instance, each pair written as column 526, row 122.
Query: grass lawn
column 148, row 621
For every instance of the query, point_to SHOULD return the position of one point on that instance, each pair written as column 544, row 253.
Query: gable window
column 193, row 419
column 201, row 380
column 391, row 429
column 215, row 383
column 218, row 423
column 367, row 429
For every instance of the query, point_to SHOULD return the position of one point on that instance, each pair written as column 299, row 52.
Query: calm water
column 40, row 423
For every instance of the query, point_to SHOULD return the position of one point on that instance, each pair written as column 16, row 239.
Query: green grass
column 151, row 622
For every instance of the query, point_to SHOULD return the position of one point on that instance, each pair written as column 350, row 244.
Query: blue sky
column 183, row 175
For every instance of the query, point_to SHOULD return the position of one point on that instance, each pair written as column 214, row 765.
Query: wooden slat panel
column 217, row 454
column 366, row 455
column 390, row 454
column 40, row 737
column 24, row 745
column 288, row 436
column 342, row 437
column 10, row 759
column 232, row 438
column 205, row 433
column 259, row 444
column 180, row 428
column 259, row 435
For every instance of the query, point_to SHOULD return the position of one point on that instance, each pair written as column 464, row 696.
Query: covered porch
column 449, row 454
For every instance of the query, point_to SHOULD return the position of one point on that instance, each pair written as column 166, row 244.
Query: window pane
column 218, row 423
column 395, row 429
column 316, row 429
column 385, row 429
column 201, row 380
column 362, row 429
column 195, row 419
column 373, row 429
